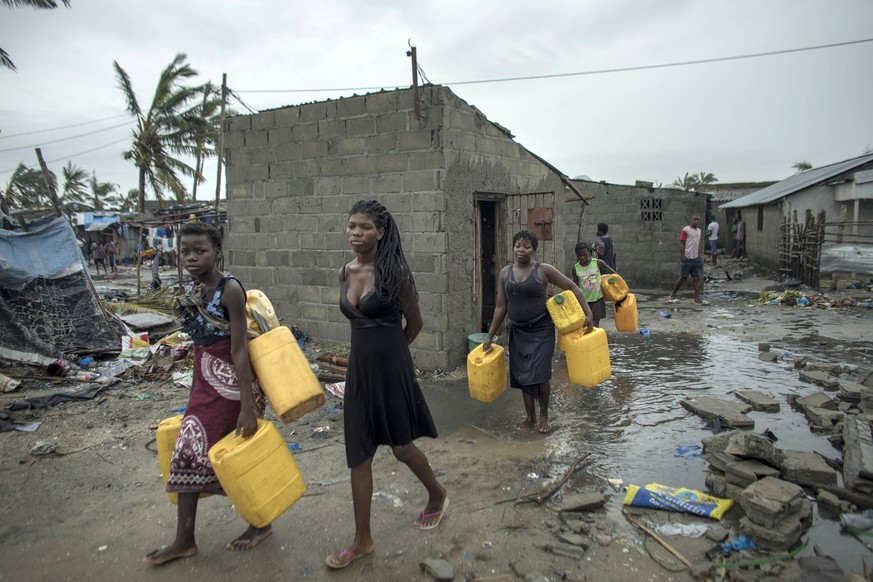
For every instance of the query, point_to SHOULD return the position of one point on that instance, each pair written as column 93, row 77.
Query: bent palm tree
column 164, row 130
column 687, row 182
column 103, row 192
column 27, row 188
column 5, row 61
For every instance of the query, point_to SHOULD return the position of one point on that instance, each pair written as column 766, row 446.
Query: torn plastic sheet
column 84, row 393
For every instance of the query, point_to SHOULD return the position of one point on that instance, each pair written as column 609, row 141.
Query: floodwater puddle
column 634, row 426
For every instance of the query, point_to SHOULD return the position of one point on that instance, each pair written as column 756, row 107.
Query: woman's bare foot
column 169, row 553
column 545, row 427
column 250, row 538
column 526, row 423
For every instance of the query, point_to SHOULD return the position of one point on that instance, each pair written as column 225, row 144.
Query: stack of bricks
column 777, row 514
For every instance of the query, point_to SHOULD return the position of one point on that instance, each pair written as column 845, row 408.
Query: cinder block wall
column 293, row 174
column 647, row 251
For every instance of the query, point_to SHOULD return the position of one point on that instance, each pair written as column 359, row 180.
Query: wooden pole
column 49, row 183
column 413, row 53
column 220, row 153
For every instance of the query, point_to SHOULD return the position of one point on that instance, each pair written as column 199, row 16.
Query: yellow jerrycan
column 167, row 433
column 613, row 287
column 566, row 313
column 561, row 341
column 626, row 316
column 259, row 473
column 284, row 374
column 486, row 373
column 588, row 358
column 258, row 305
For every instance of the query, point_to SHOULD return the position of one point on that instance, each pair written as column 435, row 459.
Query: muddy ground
column 95, row 507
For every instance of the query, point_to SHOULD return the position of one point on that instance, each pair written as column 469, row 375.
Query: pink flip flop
column 343, row 558
column 429, row 516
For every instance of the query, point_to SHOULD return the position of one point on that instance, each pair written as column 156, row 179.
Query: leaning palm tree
column 163, row 131
column 75, row 185
column 5, row 61
column 27, row 188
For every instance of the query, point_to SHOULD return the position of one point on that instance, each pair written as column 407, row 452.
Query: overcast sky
column 743, row 120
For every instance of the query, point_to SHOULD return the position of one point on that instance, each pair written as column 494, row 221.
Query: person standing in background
column 713, row 238
column 605, row 245
column 740, row 249
column 692, row 263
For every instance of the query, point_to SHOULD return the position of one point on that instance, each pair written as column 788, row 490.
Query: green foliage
column 697, row 181
column 167, row 129
column 27, row 188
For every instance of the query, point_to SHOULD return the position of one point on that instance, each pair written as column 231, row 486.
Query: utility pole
column 412, row 53
column 49, row 183
column 220, row 152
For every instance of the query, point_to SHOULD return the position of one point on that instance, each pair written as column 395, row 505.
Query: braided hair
column 392, row 270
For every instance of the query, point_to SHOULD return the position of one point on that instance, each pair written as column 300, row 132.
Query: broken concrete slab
column 585, row 501
column 754, row 446
column 716, row 483
column 146, row 321
column 438, row 568
column 773, row 539
column 816, row 400
column 828, row 502
column 822, row 379
column 758, row 400
column 807, row 466
column 573, row 539
column 771, row 496
column 822, row 418
column 768, row 357
column 718, row 442
column 709, row 408
column 763, row 347
column 857, row 454
column 828, row 367
column 719, row 460
column 567, row 550
column 851, row 392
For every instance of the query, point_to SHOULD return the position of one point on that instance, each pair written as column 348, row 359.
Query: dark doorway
column 488, row 261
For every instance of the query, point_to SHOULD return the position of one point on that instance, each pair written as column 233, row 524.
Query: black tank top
column 526, row 301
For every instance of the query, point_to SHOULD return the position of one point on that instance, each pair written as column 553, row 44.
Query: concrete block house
column 457, row 183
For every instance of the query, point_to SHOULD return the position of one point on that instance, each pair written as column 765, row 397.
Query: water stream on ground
column 634, row 425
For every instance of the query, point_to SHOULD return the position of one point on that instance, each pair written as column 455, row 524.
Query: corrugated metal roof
column 797, row 183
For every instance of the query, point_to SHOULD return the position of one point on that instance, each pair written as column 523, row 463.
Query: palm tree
column 5, row 61
column 802, row 166
column 75, row 185
column 705, row 179
column 688, row 182
column 26, row 188
column 102, row 192
column 127, row 202
column 165, row 129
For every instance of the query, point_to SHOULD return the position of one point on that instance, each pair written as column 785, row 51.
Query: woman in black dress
column 383, row 404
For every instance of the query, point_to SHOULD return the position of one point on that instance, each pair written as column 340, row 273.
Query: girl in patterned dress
column 223, row 398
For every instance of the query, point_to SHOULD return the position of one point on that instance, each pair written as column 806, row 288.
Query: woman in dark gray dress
column 521, row 291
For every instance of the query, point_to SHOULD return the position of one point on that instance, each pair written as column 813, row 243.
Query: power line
column 592, row 72
column 64, row 126
column 67, row 138
column 76, row 154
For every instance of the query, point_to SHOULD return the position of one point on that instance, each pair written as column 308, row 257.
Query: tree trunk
column 141, row 201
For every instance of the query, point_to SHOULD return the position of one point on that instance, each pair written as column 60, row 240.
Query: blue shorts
column 713, row 246
column 693, row 267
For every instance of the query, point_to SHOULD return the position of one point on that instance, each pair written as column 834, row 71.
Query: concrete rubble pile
column 766, row 481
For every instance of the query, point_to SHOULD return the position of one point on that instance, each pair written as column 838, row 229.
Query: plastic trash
column 656, row 496
column 645, row 331
column 293, row 447
column 85, row 362
column 532, row 476
column 664, row 314
column 861, row 521
column 688, row 452
column 802, row 301
column 726, row 549
column 691, row 530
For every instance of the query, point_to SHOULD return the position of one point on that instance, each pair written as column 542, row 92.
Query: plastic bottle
column 86, row 376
